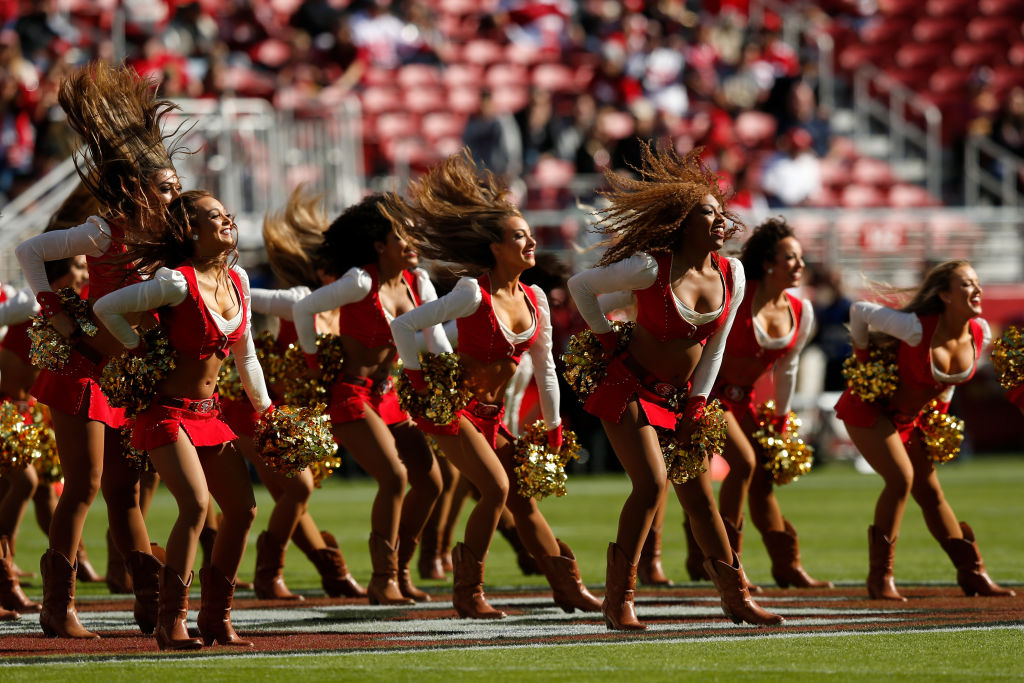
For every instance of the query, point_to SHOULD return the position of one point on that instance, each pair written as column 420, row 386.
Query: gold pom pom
column 229, row 384
column 129, row 380
column 136, row 458
column 290, row 439
column 299, row 388
column 446, row 394
column 786, row 455
column 942, row 433
column 875, row 380
column 1008, row 358
column 50, row 350
column 48, row 462
column 686, row 461
column 585, row 359
column 19, row 442
column 541, row 471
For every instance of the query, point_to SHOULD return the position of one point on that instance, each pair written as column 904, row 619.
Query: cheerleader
column 205, row 313
column 771, row 329
column 462, row 216
column 129, row 172
column 290, row 238
column 939, row 338
column 669, row 224
column 377, row 280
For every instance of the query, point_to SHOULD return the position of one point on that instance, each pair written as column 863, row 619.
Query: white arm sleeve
column 436, row 339
column 706, row 372
column 986, row 338
column 544, row 364
column 463, row 300
column 167, row 288
column 91, row 238
column 785, row 369
column 639, row 271
column 354, row 286
column 515, row 391
column 865, row 315
column 249, row 369
column 616, row 301
column 19, row 307
column 277, row 302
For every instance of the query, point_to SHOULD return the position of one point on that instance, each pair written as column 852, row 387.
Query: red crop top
column 365, row 320
column 191, row 327
column 742, row 341
column 480, row 335
column 656, row 308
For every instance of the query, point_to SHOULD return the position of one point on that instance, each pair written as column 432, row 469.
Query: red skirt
column 620, row 386
column 736, row 399
column 858, row 413
column 487, row 418
column 240, row 416
column 75, row 390
column 351, row 396
column 199, row 418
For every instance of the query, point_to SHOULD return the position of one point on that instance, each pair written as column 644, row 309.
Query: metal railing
column 905, row 139
column 992, row 173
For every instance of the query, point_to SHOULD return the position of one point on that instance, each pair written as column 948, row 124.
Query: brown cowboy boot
column 566, row 584
column 59, row 618
column 145, row 572
column 468, row 586
column 736, row 601
column 429, row 563
column 268, row 581
column 524, row 559
column 383, row 588
column 694, row 555
column 735, row 534
column 406, row 549
column 214, row 621
column 171, row 631
column 620, row 583
column 881, row 553
column 334, row 575
column 784, row 551
column 970, row 569
column 8, row 615
column 648, row 569
column 86, row 572
column 118, row 579
column 11, row 595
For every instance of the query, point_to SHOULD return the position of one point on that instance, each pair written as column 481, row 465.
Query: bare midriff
column 363, row 361
column 192, row 377
column 671, row 361
column 487, row 381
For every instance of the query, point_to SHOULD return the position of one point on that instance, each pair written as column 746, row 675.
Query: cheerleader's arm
column 166, row 288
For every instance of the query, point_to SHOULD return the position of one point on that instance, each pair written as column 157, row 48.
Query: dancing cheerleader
column 771, row 329
column 290, row 239
column 377, row 280
column 204, row 310
column 939, row 338
column 668, row 225
column 458, row 214
column 129, row 171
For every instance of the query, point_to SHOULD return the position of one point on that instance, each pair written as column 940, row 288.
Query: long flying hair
column 761, row 246
column 349, row 241
column 175, row 244
column 293, row 236
column 453, row 213
column 645, row 213
column 118, row 117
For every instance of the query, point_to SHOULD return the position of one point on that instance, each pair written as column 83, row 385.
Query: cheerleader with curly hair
column 939, row 337
column 376, row 280
column 129, row 171
column 771, row 329
column 668, row 225
column 461, row 215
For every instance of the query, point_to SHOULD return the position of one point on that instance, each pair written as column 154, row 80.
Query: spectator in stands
column 538, row 127
column 1008, row 130
column 801, row 109
column 17, row 135
column 493, row 139
column 832, row 313
column 191, row 32
column 794, row 174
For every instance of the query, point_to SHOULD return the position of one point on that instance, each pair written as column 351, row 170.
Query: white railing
column 905, row 139
column 992, row 174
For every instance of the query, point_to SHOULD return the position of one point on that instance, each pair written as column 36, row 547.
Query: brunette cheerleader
column 458, row 214
column 940, row 338
column 669, row 224
column 377, row 281
column 771, row 329
column 205, row 313
column 129, row 171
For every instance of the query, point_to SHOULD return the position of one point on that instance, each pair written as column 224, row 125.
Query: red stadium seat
column 882, row 31
column 510, row 99
column 950, row 8
column 899, row 8
column 423, row 100
column 1015, row 55
column 906, row 196
column 918, row 55
column 438, row 125
column 553, row 77
column 483, row 52
column 396, row 125
column 992, row 30
column 871, row 171
column 380, row 99
column 834, row 172
column 375, row 75
column 949, row 80
column 934, row 30
column 463, row 75
column 616, row 124
column 507, row 75
column 418, row 75
column 861, row 197
column 464, row 100
column 973, row 55
column 855, row 55
column 755, row 129
column 1000, row 7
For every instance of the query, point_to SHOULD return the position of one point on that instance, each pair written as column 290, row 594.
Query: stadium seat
column 482, row 52
column 834, row 173
column 463, row 75
column 873, row 172
column 935, row 30
column 1000, row 7
column 899, row 8
column 949, row 79
column 861, row 197
column 553, row 77
column 464, row 100
column 616, row 125
column 950, row 8
column 375, row 75
column 1006, row 77
column 418, row 75
column 755, row 129
column 423, row 100
column 509, row 100
column 442, row 124
column 906, row 196
column 992, row 30
column 922, row 55
column 973, row 55
column 380, row 99
column 396, row 125
column 507, row 75
column 1015, row 55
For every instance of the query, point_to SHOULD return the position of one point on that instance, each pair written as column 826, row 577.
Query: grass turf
column 831, row 509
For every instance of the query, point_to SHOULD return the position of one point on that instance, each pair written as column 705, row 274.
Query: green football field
column 831, row 510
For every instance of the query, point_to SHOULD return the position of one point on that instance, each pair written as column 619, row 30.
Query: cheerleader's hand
column 781, row 423
column 268, row 411
column 64, row 325
column 555, row 439
column 862, row 355
column 416, row 379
